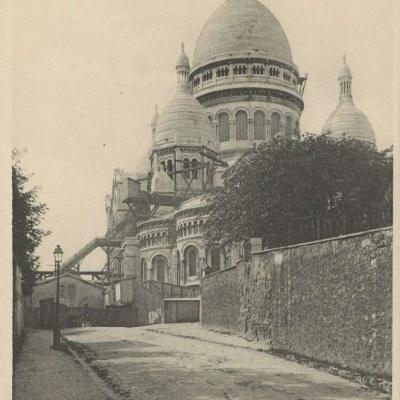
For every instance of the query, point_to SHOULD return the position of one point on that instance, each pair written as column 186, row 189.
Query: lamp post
column 58, row 255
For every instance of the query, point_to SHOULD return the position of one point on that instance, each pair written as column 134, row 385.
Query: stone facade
column 330, row 300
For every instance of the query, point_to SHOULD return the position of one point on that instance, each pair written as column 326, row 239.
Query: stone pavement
column 140, row 363
column 196, row 332
column 42, row 373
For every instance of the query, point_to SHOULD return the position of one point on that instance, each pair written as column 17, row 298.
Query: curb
column 104, row 388
column 260, row 349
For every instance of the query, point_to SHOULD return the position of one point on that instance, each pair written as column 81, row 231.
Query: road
column 141, row 364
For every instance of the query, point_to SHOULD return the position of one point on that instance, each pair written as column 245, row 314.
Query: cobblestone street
column 140, row 363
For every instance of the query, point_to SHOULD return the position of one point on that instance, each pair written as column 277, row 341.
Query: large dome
column 241, row 28
column 184, row 122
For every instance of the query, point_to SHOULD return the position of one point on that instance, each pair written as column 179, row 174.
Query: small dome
column 348, row 120
column 184, row 122
column 183, row 60
column 143, row 167
column 241, row 28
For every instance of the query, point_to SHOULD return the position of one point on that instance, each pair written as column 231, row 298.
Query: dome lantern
column 183, row 68
column 345, row 78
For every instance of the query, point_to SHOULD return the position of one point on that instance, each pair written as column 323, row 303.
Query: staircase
column 87, row 249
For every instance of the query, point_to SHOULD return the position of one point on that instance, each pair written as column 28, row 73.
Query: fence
column 70, row 317
column 148, row 306
column 332, row 224
column 169, row 290
column 181, row 310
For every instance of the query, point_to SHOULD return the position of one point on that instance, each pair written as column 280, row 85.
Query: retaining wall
column 329, row 300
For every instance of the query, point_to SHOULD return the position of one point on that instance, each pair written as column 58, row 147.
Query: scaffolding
column 209, row 162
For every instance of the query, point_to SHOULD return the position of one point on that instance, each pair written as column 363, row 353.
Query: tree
column 282, row 182
column 27, row 234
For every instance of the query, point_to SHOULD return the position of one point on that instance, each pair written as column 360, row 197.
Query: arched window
column 191, row 257
column 170, row 168
column 186, row 167
column 275, row 123
column 159, row 266
column 288, row 127
column 223, row 127
column 259, row 125
column 241, row 125
column 195, row 172
column 143, row 270
column 162, row 166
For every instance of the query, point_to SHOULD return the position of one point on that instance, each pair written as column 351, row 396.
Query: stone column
column 215, row 131
column 269, row 135
column 251, row 128
column 174, row 267
column 232, row 133
column 231, row 71
column 149, row 270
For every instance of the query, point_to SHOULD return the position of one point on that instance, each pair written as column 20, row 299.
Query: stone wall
column 221, row 300
column 329, row 300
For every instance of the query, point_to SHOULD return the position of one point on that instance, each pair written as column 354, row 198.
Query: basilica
column 241, row 87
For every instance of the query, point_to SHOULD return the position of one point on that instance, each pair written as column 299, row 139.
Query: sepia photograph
column 201, row 199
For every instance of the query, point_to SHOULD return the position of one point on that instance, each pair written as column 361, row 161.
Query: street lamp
column 58, row 255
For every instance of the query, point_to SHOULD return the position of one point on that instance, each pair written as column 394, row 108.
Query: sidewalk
column 41, row 373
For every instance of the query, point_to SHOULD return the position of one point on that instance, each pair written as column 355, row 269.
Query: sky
column 87, row 75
